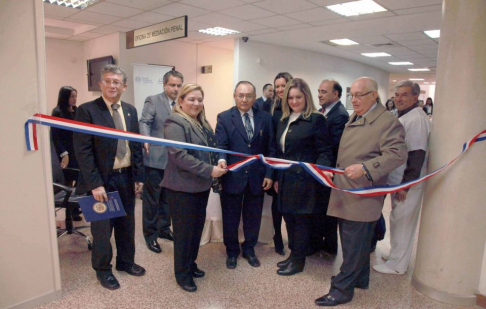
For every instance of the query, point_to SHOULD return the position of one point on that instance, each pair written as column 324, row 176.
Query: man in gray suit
column 157, row 108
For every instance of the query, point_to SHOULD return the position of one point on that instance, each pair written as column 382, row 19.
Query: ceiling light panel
column 374, row 55
column 218, row 31
column 416, row 79
column 419, row 70
column 401, row 63
column 433, row 34
column 343, row 42
column 77, row 4
column 355, row 8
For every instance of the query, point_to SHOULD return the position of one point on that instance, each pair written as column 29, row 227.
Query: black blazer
column 63, row 139
column 337, row 117
column 231, row 135
column 306, row 141
column 96, row 154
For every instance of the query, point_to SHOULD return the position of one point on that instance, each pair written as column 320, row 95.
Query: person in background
column 265, row 101
column 301, row 136
column 63, row 139
column 390, row 106
column 156, row 110
column 279, row 84
column 429, row 106
column 188, row 177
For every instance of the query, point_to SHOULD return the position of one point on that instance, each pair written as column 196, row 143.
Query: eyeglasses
column 108, row 82
column 242, row 96
column 358, row 96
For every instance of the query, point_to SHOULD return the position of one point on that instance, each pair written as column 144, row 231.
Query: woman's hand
column 65, row 161
column 218, row 172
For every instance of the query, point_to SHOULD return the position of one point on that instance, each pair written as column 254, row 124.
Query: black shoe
column 280, row 251
column 198, row 273
column 231, row 262
column 77, row 218
column 108, row 281
column 189, row 286
column 252, row 260
column 154, row 246
column 134, row 270
column 284, row 263
column 167, row 235
column 294, row 267
column 329, row 301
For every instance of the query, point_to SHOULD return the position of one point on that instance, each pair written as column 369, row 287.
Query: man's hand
column 146, row 146
column 354, row 171
column 65, row 161
column 267, row 183
column 275, row 186
column 218, row 172
column 138, row 188
column 401, row 195
column 222, row 164
column 329, row 175
column 100, row 194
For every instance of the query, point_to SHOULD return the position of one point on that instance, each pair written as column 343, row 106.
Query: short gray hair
column 172, row 73
column 111, row 68
column 407, row 83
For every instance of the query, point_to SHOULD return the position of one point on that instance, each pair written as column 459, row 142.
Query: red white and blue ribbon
column 317, row 171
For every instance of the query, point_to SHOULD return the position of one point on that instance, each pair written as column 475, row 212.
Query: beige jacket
column 377, row 141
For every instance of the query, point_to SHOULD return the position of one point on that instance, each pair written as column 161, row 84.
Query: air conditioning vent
column 383, row 45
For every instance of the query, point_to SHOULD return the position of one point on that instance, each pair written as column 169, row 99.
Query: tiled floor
column 244, row 287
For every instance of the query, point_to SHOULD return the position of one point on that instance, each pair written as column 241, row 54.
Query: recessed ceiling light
column 433, row 34
column 343, row 42
column 77, row 4
column 374, row 55
column 394, row 80
column 419, row 70
column 218, row 31
column 400, row 63
column 415, row 79
column 356, row 8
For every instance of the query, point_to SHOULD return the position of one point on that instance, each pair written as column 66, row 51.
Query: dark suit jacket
column 337, row 118
column 263, row 104
column 187, row 170
column 231, row 135
column 63, row 139
column 306, row 141
column 96, row 154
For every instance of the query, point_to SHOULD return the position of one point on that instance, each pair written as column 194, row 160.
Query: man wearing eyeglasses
column 249, row 130
column 156, row 110
column 108, row 165
column 372, row 145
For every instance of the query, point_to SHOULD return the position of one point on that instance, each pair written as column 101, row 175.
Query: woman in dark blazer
column 63, row 139
column 301, row 136
column 188, row 178
column 279, row 84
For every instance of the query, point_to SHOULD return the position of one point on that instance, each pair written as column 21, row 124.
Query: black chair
column 65, row 198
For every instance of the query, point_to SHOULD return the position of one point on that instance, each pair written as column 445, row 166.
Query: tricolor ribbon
column 317, row 171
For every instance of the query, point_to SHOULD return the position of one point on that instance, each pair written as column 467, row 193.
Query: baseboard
column 481, row 300
column 38, row 301
column 447, row 298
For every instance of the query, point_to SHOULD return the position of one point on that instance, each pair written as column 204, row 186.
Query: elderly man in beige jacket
column 372, row 145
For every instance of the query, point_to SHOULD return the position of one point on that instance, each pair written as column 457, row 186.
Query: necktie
column 172, row 105
column 121, row 149
column 358, row 118
column 248, row 127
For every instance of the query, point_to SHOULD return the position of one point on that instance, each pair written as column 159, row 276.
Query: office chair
column 65, row 198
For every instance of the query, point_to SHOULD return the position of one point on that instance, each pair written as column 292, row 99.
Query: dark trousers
column 277, row 224
column 299, row 230
column 235, row 206
column 188, row 216
column 124, row 228
column 355, row 270
column 155, row 215
column 324, row 226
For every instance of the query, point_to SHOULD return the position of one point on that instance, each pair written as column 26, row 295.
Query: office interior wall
column 260, row 63
column 29, row 262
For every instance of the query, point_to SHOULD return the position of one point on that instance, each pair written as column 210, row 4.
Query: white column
column 453, row 224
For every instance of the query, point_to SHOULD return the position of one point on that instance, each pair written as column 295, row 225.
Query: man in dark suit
column 263, row 102
column 107, row 165
column 157, row 108
column 244, row 129
column 330, row 92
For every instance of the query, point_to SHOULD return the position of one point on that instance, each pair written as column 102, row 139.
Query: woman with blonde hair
column 301, row 136
column 188, row 178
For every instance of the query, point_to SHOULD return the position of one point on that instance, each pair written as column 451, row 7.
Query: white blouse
column 292, row 118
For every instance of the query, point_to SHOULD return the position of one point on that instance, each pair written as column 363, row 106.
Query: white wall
column 259, row 63
column 29, row 262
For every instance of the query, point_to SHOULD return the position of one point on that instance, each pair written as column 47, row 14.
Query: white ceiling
column 302, row 24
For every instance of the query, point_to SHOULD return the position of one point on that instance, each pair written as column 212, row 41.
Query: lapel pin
column 128, row 114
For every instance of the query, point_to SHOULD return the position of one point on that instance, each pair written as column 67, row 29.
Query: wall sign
column 168, row 30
